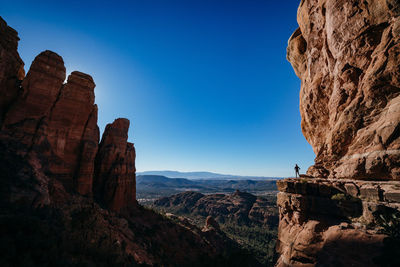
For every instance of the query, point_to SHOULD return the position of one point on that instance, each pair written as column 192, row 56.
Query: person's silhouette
column 296, row 169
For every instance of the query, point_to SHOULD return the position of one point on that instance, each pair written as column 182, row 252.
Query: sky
column 205, row 84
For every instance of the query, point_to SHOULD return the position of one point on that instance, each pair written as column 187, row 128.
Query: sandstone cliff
column 115, row 167
column 58, row 121
column 347, row 55
column 335, row 222
column 64, row 193
column 11, row 67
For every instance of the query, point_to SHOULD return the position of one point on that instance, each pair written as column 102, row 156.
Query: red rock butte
column 57, row 121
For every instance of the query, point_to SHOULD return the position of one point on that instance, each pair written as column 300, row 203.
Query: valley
column 244, row 210
column 152, row 187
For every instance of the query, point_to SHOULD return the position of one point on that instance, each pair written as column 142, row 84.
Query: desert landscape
column 70, row 194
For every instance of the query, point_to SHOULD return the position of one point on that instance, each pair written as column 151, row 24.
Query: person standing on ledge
column 296, row 170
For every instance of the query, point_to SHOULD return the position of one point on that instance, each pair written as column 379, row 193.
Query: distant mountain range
column 151, row 187
column 205, row 175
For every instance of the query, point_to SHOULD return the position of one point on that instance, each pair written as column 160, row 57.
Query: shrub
column 339, row 197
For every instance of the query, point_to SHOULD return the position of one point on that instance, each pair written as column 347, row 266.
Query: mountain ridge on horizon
column 204, row 175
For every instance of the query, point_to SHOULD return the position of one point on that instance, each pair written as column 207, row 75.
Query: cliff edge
column 347, row 55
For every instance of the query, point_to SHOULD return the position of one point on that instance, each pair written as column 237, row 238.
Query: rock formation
column 67, row 194
column 211, row 223
column 239, row 208
column 115, row 167
column 346, row 54
column 333, row 222
column 11, row 67
column 58, row 121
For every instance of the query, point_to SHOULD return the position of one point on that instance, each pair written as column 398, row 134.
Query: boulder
column 211, row 223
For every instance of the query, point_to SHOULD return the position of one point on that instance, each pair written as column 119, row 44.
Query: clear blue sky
column 205, row 84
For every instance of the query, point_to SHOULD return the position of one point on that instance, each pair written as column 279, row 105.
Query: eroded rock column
column 115, row 180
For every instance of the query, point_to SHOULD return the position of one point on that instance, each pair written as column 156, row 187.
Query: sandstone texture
column 115, row 167
column 333, row 222
column 347, row 55
column 57, row 120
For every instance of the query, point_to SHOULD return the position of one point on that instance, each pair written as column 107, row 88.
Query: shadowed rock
column 332, row 222
column 39, row 91
column 58, row 122
column 49, row 140
column 11, row 67
column 115, row 184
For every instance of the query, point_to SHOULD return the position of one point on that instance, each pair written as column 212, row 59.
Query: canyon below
column 70, row 197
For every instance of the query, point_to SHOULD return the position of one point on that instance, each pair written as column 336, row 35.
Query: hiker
column 296, row 169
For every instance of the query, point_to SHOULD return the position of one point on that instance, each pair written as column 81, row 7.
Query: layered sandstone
column 347, row 55
column 115, row 183
column 333, row 222
column 56, row 121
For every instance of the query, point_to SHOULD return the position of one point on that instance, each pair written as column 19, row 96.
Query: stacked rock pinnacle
column 58, row 121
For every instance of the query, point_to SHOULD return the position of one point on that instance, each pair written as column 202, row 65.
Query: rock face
column 333, row 222
column 347, row 55
column 115, row 167
column 58, row 121
column 211, row 223
column 240, row 208
column 11, row 67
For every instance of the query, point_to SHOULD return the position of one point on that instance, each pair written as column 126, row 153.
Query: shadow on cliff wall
column 325, row 203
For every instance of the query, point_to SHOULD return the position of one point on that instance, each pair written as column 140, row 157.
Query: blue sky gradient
column 205, row 84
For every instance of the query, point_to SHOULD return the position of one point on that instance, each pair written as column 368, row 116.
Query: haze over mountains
column 204, row 175
column 151, row 187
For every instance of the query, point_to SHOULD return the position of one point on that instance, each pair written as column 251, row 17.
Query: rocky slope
column 347, row 55
column 63, row 192
column 240, row 208
column 335, row 222
column 249, row 220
